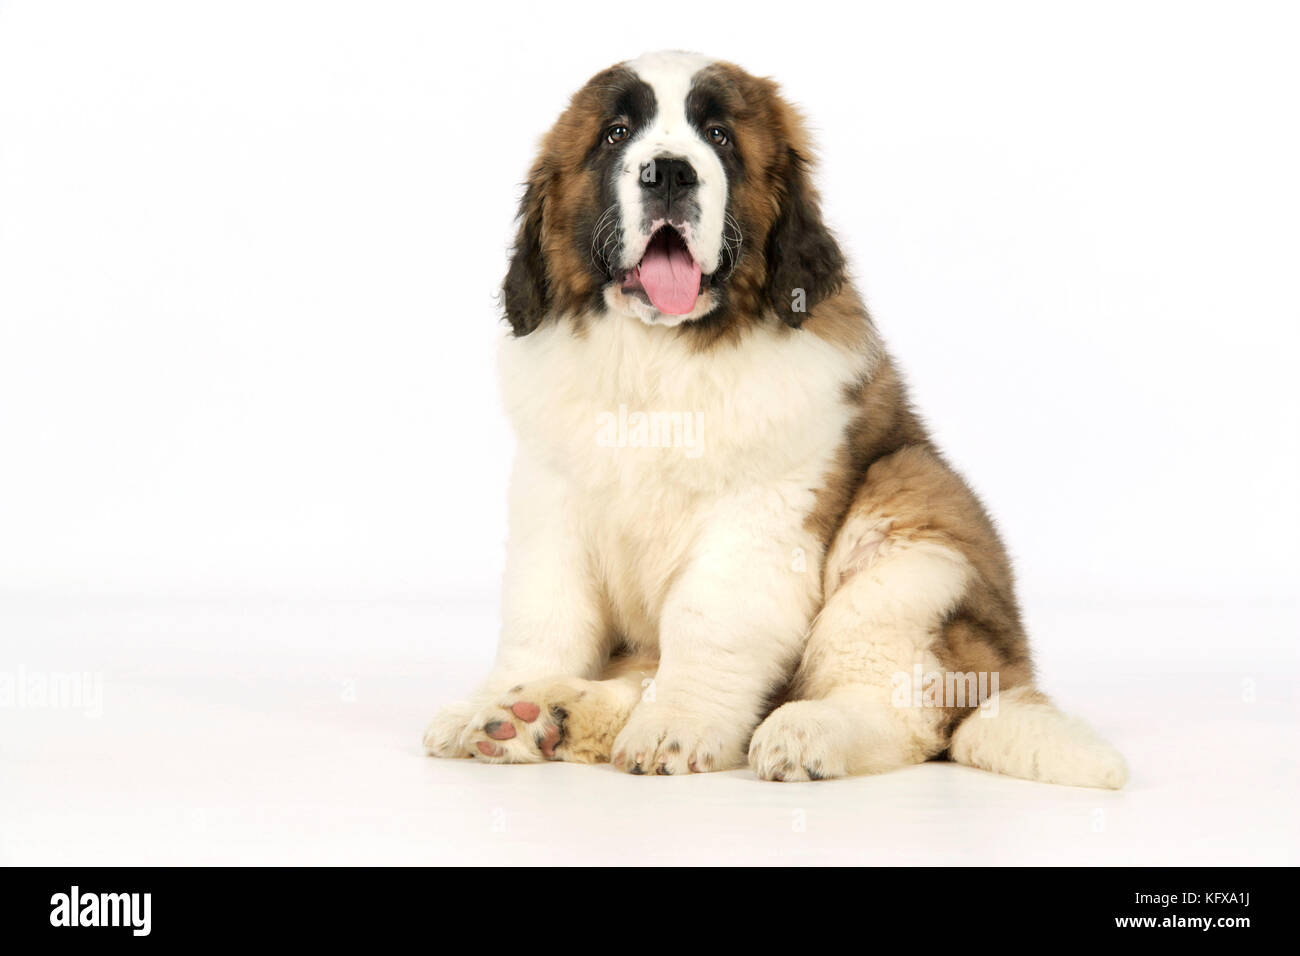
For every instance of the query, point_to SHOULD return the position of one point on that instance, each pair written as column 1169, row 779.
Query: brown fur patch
column 785, row 248
column 552, row 272
column 883, row 422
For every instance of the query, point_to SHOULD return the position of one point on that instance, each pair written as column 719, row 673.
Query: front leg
column 552, row 623
column 730, row 632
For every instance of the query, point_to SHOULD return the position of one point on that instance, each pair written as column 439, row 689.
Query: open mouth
column 668, row 274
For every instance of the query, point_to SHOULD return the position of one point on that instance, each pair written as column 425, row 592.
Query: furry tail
column 1020, row 732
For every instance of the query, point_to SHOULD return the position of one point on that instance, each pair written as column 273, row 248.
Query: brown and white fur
column 813, row 545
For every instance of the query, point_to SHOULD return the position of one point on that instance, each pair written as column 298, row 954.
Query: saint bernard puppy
column 731, row 538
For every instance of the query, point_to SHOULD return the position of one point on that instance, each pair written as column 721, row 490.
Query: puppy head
column 674, row 189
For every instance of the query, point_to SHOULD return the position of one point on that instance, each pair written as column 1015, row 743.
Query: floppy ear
column 804, row 263
column 525, row 292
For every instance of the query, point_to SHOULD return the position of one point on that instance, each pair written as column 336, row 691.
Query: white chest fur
column 644, row 436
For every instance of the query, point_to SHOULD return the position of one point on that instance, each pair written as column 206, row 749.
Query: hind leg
column 875, row 628
column 916, row 584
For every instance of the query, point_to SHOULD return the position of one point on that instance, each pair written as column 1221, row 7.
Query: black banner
column 231, row 905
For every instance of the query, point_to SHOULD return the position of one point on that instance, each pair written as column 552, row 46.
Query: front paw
column 562, row 718
column 495, row 733
column 665, row 742
column 446, row 734
column 526, row 725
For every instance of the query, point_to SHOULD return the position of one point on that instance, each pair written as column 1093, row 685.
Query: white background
column 251, row 446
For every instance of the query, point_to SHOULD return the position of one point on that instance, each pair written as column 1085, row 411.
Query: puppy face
column 674, row 189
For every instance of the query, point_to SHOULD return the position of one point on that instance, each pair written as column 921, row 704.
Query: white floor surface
column 267, row 731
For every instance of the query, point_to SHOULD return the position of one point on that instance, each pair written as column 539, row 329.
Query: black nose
column 669, row 174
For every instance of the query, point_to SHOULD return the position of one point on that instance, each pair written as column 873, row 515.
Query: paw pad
column 526, row 711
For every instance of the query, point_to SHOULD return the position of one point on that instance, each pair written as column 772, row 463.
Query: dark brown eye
column 616, row 133
column 718, row 136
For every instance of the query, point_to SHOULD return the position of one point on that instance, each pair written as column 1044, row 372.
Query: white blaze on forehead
column 670, row 133
column 669, row 74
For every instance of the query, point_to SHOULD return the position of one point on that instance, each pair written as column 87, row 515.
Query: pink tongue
column 670, row 277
